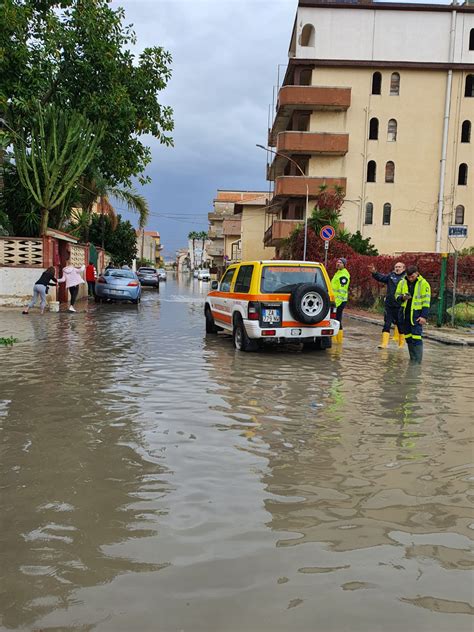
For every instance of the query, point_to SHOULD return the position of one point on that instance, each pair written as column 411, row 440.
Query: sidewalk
column 446, row 335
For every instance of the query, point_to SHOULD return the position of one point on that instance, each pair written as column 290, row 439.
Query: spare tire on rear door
column 309, row 303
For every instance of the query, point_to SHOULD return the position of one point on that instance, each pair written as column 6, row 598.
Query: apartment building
column 238, row 216
column 378, row 98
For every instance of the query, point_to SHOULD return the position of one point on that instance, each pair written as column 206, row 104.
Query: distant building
column 378, row 98
column 149, row 247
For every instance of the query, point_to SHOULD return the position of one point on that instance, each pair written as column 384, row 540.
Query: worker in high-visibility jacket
column 414, row 295
column 340, row 286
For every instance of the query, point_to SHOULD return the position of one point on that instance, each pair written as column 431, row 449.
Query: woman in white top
column 71, row 276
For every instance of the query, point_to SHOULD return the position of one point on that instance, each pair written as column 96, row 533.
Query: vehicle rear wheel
column 309, row 303
column 211, row 327
column 241, row 341
column 97, row 299
column 325, row 342
column 136, row 301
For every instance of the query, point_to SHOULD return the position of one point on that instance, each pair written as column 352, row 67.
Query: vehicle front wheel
column 241, row 341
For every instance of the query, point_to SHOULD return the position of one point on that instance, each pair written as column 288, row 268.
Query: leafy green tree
column 53, row 154
column 202, row 235
column 76, row 54
column 359, row 244
column 120, row 242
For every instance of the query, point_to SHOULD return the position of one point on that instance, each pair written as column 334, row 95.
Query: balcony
column 280, row 229
column 313, row 98
column 295, row 186
column 215, row 251
column 307, row 143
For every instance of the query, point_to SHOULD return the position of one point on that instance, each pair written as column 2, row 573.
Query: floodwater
column 153, row 479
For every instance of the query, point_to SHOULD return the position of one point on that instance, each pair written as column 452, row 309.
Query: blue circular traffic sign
column 327, row 233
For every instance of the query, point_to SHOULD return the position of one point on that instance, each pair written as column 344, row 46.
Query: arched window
column 369, row 213
column 462, row 174
column 374, row 129
column 307, row 36
column 395, row 84
column 471, row 40
column 459, row 214
column 466, row 132
column 371, row 171
column 376, row 83
column 387, row 212
column 392, row 131
column 390, row 171
column 469, row 91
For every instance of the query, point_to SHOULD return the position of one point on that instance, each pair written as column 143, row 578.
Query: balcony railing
column 280, row 229
column 213, row 251
column 295, row 186
column 306, row 143
column 312, row 98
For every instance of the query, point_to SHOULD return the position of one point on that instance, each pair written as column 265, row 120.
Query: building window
column 466, row 132
column 374, row 129
column 471, row 40
column 459, row 214
column 369, row 213
column 392, row 131
column 307, row 35
column 371, row 171
column 376, row 83
column 387, row 212
column 462, row 174
column 390, row 171
column 469, row 91
column 394, row 84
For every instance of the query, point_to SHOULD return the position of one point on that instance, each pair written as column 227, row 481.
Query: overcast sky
column 225, row 58
column 225, row 63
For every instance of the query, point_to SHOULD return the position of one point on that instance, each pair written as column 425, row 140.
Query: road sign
column 327, row 233
column 457, row 231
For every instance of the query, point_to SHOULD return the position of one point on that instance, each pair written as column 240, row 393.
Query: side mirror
column 214, row 285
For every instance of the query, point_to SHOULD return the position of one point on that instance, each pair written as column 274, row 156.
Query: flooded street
column 153, row 479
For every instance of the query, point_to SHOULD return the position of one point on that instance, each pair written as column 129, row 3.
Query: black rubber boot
column 411, row 351
column 418, row 353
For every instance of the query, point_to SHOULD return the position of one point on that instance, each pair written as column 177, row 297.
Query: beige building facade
column 379, row 100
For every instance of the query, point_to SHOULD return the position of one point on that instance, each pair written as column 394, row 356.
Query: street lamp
column 277, row 153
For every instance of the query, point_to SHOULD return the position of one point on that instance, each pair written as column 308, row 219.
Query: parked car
column 204, row 275
column 118, row 285
column 195, row 273
column 149, row 277
column 161, row 274
column 288, row 301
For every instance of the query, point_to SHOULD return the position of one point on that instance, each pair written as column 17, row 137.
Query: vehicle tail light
column 254, row 310
column 133, row 283
column 333, row 311
column 327, row 332
column 101, row 280
column 269, row 332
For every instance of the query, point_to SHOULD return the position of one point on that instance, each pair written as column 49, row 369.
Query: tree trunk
column 44, row 221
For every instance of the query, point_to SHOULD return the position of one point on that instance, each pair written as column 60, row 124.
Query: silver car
column 161, row 274
column 118, row 285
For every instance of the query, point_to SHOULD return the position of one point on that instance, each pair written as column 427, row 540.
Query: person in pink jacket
column 72, row 277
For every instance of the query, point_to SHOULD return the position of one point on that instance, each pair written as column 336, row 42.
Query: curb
column 436, row 337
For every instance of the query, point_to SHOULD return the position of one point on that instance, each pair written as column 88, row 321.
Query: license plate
column 116, row 291
column 271, row 315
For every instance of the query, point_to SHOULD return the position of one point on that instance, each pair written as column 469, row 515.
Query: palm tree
column 193, row 235
column 202, row 237
column 96, row 191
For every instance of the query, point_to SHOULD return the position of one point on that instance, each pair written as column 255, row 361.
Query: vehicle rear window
column 284, row 278
column 147, row 270
column 242, row 283
column 121, row 274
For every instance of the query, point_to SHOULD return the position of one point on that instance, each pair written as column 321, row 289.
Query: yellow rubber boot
column 396, row 334
column 336, row 337
column 340, row 336
column 401, row 341
column 385, row 340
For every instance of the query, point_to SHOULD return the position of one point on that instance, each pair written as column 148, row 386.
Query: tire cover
column 299, row 305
